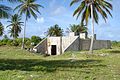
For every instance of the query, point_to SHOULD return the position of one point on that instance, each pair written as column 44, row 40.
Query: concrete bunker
column 73, row 42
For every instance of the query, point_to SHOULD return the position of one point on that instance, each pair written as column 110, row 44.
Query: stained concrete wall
column 98, row 44
column 62, row 43
column 74, row 46
column 67, row 41
column 41, row 47
column 70, row 44
column 54, row 41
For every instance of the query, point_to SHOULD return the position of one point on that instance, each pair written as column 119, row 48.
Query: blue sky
column 59, row 12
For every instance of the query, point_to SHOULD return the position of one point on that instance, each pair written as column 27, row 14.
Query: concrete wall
column 41, row 47
column 98, row 44
column 69, row 44
column 54, row 41
column 83, row 35
column 75, row 46
column 67, row 41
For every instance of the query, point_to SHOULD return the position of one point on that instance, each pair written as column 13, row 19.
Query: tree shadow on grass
column 47, row 65
column 114, row 51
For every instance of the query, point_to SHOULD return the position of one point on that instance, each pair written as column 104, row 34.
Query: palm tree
column 55, row 31
column 4, row 11
column 28, row 7
column 90, row 9
column 15, row 25
column 1, row 29
column 78, row 28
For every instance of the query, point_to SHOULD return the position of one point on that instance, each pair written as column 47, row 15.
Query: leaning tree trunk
column 23, row 41
column 92, row 26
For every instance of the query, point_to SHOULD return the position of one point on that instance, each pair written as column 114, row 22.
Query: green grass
column 16, row 64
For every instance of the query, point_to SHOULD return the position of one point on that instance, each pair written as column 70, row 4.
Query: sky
column 59, row 12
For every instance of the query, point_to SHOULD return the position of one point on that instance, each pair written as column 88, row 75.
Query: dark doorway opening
column 53, row 50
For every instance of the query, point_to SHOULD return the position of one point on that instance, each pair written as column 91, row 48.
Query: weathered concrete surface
column 98, row 44
column 41, row 47
column 54, row 41
column 67, row 41
column 74, row 46
column 62, row 43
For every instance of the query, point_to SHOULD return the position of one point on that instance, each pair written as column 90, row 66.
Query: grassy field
column 16, row 64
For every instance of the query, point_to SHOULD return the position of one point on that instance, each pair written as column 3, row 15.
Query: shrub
column 9, row 42
column 19, row 41
column 28, row 43
column 115, row 43
column 35, row 40
column 4, row 41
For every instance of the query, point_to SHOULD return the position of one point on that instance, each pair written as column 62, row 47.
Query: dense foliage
column 18, row 41
column 55, row 30
column 115, row 43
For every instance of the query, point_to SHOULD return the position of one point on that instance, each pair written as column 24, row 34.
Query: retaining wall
column 98, row 44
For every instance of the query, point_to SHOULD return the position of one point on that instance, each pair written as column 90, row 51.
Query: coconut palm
column 78, row 28
column 4, row 11
column 29, row 8
column 1, row 29
column 15, row 25
column 55, row 31
column 90, row 9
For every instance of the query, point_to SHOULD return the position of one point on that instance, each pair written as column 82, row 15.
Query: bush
column 4, row 41
column 115, row 43
column 15, row 43
column 9, row 42
column 19, row 41
column 28, row 43
column 35, row 40
column 0, row 42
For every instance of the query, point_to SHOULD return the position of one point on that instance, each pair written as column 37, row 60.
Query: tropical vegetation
column 28, row 8
column 1, row 29
column 15, row 26
column 29, row 42
column 90, row 9
column 55, row 30
column 77, row 28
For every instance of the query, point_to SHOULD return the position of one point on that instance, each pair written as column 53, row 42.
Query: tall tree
column 90, row 9
column 78, row 28
column 4, row 11
column 28, row 7
column 15, row 25
column 1, row 29
column 55, row 31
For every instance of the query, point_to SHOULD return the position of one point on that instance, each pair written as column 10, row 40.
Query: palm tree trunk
column 23, row 41
column 14, row 33
column 92, row 37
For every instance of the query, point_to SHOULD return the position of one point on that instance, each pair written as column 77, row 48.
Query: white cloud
column 58, row 10
column 40, row 20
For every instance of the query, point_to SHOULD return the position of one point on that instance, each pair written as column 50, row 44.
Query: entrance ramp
column 71, row 44
column 41, row 47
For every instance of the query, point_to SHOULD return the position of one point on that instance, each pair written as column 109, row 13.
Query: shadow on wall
column 48, row 66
